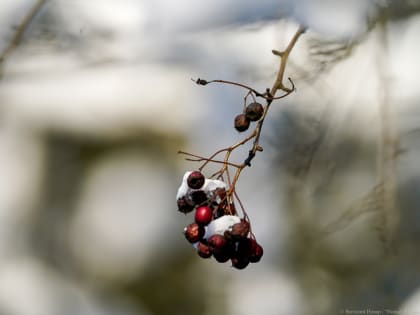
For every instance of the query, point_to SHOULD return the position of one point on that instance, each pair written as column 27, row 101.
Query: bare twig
column 278, row 85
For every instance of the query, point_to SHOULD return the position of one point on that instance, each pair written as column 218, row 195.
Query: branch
column 269, row 96
column 278, row 85
column 20, row 30
column 284, row 55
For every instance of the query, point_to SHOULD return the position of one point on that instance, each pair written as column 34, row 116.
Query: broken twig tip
column 200, row 81
column 277, row 53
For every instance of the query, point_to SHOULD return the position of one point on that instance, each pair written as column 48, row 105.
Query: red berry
column 257, row 253
column 204, row 250
column 241, row 122
column 195, row 180
column 203, row 215
column 217, row 242
column 254, row 111
column 194, row 232
column 220, row 247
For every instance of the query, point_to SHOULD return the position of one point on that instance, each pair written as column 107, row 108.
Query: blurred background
column 96, row 99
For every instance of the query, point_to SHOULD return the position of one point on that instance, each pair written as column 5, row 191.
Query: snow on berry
column 220, row 225
column 211, row 185
column 218, row 231
column 183, row 189
column 208, row 189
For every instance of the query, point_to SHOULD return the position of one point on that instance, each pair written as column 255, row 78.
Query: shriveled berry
column 185, row 205
column 198, row 197
column 254, row 111
column 203, row 215
column 241, row 122
column 204, row 250
column 240, row 262
column 195, row 180
column 240, row 230
column 257, row 252
column 228, row 236
column 194, row 232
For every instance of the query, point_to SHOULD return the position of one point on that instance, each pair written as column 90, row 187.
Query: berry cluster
column 217, row 229
column 252, row 112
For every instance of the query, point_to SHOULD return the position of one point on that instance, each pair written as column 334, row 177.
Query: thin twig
column 198, row 158
column 20, row 30
column 278, row 84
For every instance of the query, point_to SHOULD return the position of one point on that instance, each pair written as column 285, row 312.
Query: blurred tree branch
column 20, row 30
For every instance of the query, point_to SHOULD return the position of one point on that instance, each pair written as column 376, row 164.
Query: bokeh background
column 96, row 99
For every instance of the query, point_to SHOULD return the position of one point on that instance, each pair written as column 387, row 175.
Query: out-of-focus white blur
column 91, row 76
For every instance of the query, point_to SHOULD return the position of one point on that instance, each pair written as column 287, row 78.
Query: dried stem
column 250, row 89
column 278, row 84
column 198, row 158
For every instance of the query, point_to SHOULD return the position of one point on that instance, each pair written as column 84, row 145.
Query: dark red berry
column 203, row 215
column 257, row 252
column 254, row 111
column 240, row 262
column 220, row 247
column 217, row 242
column 228, row 236
column 221, row 256
column 195, row 180
column 194, row 232
column 241, row 123
column 245, row 247
column 198, row 197
column 204, row 250
column 240, row 230
column 185, row 205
